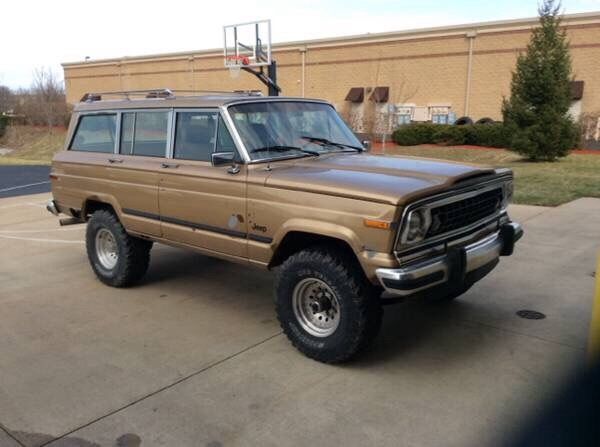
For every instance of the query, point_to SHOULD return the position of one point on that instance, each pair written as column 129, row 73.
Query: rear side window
column 195, row 135
column 144, row 133
column 95, row 133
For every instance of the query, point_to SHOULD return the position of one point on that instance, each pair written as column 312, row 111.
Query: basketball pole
column 272, row 73
column 269, row 79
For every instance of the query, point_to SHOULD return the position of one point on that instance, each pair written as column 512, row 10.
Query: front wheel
column 325, row 306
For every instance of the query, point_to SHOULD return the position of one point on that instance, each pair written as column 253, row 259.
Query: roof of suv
column 205, row 101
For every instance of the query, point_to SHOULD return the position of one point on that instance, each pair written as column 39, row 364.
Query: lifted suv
column 283, row 184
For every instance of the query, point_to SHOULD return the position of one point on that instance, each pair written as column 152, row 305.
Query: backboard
column 247, row 44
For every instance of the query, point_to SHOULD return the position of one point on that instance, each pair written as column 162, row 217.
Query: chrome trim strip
column 234, row 134
column 414, row 273
column 198, row 226
column 170, row 134
column 118, row 135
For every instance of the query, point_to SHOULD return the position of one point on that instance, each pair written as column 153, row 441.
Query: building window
column 404, row 113
column 439, row 114
column 380, row 94
column 356, row 94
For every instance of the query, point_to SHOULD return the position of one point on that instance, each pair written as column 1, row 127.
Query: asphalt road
column 18, row 180
column 193, row 355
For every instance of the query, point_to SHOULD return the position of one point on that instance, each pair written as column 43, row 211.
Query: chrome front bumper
column 455, row 265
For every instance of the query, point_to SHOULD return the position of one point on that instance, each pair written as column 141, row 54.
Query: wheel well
column 295, row 241
column 92, row 206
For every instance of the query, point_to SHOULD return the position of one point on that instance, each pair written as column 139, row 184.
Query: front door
column 201, row 204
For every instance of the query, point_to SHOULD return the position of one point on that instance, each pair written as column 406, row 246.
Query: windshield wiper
column 325, row 141
column 282, row 148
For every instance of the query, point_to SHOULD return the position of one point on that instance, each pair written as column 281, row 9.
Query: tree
column 537, row 111
column 48, row 96
column 6, row 99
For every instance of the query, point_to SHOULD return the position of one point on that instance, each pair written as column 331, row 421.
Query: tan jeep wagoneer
column 283, row 184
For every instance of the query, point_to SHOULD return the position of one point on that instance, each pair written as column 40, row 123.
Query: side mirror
column 367, row 145
column 222, row 158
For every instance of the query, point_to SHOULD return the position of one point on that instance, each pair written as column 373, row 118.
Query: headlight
column 416, row 226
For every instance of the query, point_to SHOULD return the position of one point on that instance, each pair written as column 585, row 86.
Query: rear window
column 95, row 133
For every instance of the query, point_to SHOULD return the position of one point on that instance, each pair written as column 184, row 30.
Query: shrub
column 490, row 135
column 3, row 124
column 413, row 134
column 450, row 135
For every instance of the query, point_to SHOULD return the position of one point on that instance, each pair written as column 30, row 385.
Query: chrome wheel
column 316, row 307
column 107, row 251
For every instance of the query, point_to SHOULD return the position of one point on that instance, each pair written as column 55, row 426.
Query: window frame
column 242, row 149
column 97, row 113
column 221, row 111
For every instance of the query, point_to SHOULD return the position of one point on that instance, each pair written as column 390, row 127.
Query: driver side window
column 195, row 135
column 224, row 140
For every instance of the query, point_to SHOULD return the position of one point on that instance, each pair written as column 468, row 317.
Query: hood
column 378, row 178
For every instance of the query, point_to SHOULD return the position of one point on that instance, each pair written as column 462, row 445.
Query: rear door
column 201, row 204
column 144, row 138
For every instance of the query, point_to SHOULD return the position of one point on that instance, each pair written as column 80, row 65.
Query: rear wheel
column 325, row 305
column 117, row 258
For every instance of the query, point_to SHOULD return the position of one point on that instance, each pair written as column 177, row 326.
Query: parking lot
column 194, row 355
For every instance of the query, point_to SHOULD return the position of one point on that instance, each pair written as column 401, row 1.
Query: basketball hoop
column 247, row 46
column 235, row 63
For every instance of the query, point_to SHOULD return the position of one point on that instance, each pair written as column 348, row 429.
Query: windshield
column 291, row 129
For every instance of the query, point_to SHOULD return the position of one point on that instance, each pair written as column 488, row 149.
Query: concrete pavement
column 194, row 356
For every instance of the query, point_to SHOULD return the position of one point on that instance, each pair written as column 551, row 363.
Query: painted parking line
column 35, row 239
column 70, row 228
column 16, row 205
column 12, row 188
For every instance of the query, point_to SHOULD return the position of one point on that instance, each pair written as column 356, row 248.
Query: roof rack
column 164, row 93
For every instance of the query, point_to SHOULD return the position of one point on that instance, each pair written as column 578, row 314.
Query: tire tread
column 363, row 295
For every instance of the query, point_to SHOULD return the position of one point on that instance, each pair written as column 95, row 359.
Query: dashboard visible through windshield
column 283, row 129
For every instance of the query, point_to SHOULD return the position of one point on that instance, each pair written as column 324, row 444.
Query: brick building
column 427, row 74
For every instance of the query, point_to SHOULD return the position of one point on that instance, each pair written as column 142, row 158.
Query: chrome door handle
column 169, row 165
column 115, row 160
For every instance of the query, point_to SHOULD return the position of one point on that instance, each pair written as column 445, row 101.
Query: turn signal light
column 380, row 224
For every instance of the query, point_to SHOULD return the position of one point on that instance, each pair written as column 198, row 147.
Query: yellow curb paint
column 594, row 341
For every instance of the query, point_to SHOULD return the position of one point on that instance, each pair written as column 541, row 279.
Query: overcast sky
column 48, row 32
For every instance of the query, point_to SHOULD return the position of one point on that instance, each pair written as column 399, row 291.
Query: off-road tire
column 359, row 304
column 133, row 253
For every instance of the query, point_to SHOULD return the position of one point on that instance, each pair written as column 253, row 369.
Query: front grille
column 465, row 212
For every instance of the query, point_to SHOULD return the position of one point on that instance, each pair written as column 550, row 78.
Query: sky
column 44, row 33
